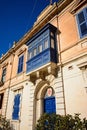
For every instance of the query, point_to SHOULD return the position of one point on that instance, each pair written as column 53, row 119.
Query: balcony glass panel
column 39, row 48
column 46, row 44
column 38, row 61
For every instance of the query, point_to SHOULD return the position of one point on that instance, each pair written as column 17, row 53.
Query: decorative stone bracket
column 42, row 74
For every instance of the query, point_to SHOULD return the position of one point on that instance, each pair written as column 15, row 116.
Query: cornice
column 53, row 10
column 5, row 56
column 77, row 5
column 74, row 44
column 74, row 58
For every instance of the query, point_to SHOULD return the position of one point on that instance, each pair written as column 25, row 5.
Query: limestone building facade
column 46, row 70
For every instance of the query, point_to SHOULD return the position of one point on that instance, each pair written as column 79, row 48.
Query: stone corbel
column 52, row 71
column 40, row 75
column 32, row 79
column 36, row 76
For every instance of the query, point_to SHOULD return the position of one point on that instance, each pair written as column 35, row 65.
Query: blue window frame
column 82, row 22
column 38, row 45
column 16, row 107
column 20, row 63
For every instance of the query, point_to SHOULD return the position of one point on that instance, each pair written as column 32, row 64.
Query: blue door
column 49, row 105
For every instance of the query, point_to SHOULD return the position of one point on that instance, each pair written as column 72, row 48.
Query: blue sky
column 16, row 18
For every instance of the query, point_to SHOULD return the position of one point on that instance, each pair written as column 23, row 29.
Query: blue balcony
column 42, row 49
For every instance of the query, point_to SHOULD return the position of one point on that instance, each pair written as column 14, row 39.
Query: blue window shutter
column 16, row 109
column 82, row 22
column 20, row 63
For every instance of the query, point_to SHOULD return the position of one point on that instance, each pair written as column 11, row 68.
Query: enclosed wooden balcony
column 42, row 51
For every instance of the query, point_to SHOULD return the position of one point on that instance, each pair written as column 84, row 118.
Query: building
column 46, row 70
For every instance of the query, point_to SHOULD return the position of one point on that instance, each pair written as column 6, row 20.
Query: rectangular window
column 52, row 34
column 82, row 22
column 16, row 107
column 52, row 43
column 35, row 51
column 39, row 48
column 45, row 44
column 20, row 64
column 3, row 75
column 1, row 100
column 29, row 55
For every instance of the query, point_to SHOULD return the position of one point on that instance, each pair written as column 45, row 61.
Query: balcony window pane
column 52, row 43
column 35, row 52
column 39, row 48
column 45, row 44
column 52, row 34
column 29, row 55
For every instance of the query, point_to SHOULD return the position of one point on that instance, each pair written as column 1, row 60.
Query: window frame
column 38, row 44
column 40, row 48
column 35, row 51
column 46, row 43
column 29, row 55
column 84, row 11
column 20, row 65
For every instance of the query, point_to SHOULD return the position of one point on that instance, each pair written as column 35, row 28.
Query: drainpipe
column 60, row 60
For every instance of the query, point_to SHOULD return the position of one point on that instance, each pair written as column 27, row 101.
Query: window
column 3, row 75
column 35, row 51
column 45, row 44
column 52, row 43
column 1, row 100
column 29, row 55
column 16, row 107
column 20, row 64
column 82, row 22
column 52, row 34
column 39, row 48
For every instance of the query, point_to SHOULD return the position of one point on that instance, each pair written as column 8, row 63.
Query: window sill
column 18, row 74
column 15, row 121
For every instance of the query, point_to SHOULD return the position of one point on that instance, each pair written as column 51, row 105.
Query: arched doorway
column 49, row 101
column 44, row 99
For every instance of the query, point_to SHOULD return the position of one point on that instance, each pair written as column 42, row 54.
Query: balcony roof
column 47, row 26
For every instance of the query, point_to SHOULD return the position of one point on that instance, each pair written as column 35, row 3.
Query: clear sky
column 16, row 18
